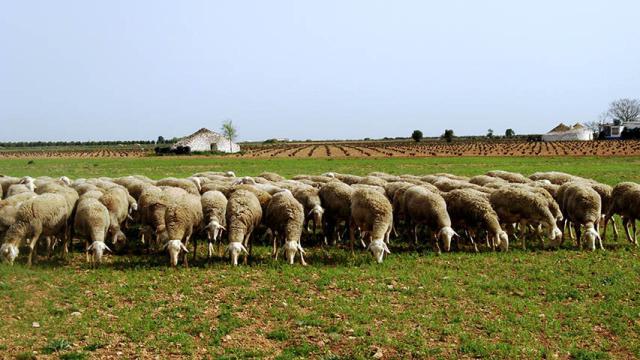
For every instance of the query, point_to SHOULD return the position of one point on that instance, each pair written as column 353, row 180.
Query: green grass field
column 520, row 304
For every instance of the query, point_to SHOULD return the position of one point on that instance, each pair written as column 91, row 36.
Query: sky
column 136, row 69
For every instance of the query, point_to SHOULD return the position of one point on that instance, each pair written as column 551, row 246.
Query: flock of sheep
column 493, row 209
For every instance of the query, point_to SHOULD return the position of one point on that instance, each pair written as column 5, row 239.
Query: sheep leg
column 352, row 237
column 475, row 246
column 522, row 230
column 32, row 245
column 635, row 236
column 436, row 243
column 86, row 249
column 576, row 226
column 275, row 248
column 304, row 263
column 625, row 224
column 615, row 229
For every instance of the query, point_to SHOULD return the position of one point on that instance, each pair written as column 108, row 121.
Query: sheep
column 41, row 215
column 153, row 205
column 244, row 214
column 372, row 180
column 183, row 218
column 285, row 217
column 187, row 185
column 423, row 207
column 371, row 211
column 71, row 198
column 625, row 201
column 214, row 208
column 309, row 197
column 471, row 210
column 92, row 221
column 511, row 177
column 517, row 205
column 581, row 205
column 336, row 200
column 116, row 200
column 16, row 189
column 555, row 177
column 483, row 180
column 271, row 176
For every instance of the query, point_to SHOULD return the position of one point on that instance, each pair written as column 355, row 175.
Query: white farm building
column 207, row 140
column 562, row 132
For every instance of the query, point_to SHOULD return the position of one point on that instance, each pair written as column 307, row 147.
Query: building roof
column 560, row 128
column 209, row 135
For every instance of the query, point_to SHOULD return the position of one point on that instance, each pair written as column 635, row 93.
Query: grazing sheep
column 42, row 215
column 625, row 201
column 116, row 200
column 16, row 189
column 511, row 177
column 92, row 221
column 517, row 205
column 371, row 211
column 271, row 176
column 555, row 177
column 471, row 210
column 214, row 209
column 484, row 180
column 187, row 185
column 183, row 218
column 336, row 200
column 372, row 180
column 581, row 205
column 263, row 196
column 285, row 217
column 423, row 207
column 153, row 206
column 309, row 197
column 244, row 214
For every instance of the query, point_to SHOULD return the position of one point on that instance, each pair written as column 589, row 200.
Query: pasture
column 519, row 304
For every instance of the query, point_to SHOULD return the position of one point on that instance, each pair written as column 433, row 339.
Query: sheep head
column 9, row 253
column 556, row 233
column 591, row 235
column 29, row 182
column 98, row 247
column 174, row 247
column 65, row 180
column 291, row 248
column 214, row 230
column 235, row 249
column 446, row 234
column 317, row 213
column 378, row 248
column 502, row 240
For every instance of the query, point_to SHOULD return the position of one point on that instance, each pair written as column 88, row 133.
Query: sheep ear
column 90, row 247
column 386, row 248
column 223, row 228
column 129, row 215
column 107, row 248
column 301, row 249
column 164, row 247
column 183, row 247
column 244, row 248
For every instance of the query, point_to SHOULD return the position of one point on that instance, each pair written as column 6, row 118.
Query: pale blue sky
column 90, row 70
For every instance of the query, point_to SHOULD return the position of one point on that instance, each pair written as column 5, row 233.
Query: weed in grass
column 278, row 335
column 56, row 346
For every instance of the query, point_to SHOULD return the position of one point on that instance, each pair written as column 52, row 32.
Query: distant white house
column 562, row 132
column 207, row 140
column 613, row 131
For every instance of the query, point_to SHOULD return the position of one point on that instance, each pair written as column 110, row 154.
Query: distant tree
column 229, row 131
column 416, row 135
column 624, row 110
column 509, row 133
column 594, row 126
column 160, row 140
column 490, row 133
column 448, row 135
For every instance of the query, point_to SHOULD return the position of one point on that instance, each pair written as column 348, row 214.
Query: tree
column 448, row 135
column 229, row 131
column 509, row 133
column 594, row 126
column 416, row 135
column 160, row 140
column 624, row 110
column 490, row 133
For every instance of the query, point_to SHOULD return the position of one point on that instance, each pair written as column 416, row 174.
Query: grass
column 606, row 169
column 520, row 304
